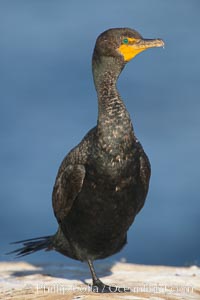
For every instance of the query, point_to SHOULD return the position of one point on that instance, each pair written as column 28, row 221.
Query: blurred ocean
column 48, row 102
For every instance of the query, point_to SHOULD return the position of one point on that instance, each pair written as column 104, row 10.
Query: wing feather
column 67, row 186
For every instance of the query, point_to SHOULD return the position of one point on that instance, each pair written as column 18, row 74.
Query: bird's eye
column 125, row 41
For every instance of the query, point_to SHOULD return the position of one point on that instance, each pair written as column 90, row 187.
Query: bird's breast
column 113, row 160
column 112, row 173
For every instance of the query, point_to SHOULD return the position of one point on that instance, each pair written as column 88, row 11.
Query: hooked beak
column 144, row 44
column 135, row 46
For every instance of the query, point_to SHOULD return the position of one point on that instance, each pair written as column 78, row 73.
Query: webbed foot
column 99, row 287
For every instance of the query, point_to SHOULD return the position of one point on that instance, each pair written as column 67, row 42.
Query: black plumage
column 103, row 182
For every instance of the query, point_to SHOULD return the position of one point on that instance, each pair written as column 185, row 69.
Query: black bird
column 102, row 183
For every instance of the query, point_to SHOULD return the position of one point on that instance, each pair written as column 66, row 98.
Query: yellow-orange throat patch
column 129, row 52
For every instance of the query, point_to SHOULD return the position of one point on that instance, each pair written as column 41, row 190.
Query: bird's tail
column 32, row 245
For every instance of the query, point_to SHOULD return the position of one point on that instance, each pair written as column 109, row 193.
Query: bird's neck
column 112, row 113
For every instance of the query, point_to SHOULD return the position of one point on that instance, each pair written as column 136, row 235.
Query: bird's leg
column 99, row 287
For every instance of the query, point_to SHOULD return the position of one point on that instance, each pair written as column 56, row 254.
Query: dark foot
column 99, row 287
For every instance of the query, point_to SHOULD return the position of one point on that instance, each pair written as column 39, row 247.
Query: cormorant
column 102, row 183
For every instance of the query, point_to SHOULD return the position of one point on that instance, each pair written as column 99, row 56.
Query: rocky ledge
column 24, row 281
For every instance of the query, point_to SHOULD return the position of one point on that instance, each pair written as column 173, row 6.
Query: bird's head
column 123, row 43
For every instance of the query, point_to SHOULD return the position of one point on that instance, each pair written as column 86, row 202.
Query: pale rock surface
column 24, row 281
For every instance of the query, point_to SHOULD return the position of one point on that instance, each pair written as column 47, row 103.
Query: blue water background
column 48, row 103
